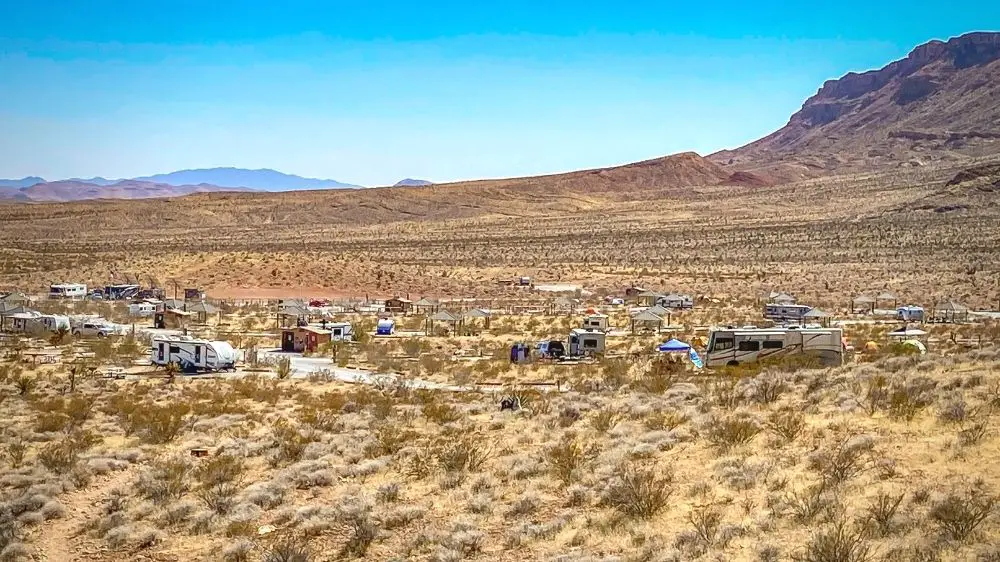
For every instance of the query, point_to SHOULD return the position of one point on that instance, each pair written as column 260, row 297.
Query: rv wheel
column 76, row 333
column 733, row 363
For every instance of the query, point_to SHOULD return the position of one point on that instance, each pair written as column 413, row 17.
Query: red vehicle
column 318, row 303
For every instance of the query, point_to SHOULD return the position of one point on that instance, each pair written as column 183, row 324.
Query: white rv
column 31, row 322
column 53, row 322
column 734, row 346
column 193, row 355
column 68, row 291
column 596, row 321
column 786, row 312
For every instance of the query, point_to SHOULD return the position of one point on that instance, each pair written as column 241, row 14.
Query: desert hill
column 940, row 103
column 72, row 190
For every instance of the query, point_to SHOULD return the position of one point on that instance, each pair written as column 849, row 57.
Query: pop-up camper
column 193, row 355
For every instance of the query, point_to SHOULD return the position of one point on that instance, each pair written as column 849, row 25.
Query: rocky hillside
column 940, row 103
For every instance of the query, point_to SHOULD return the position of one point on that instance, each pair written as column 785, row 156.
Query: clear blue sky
column 371, row 92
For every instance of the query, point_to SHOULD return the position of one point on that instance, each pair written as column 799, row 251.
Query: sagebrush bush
column 733, row 430
column 838, row 542
column 567, row 458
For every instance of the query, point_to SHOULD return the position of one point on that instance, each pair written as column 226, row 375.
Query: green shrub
column 639, row 492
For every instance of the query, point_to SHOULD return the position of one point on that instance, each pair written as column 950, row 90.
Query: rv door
column 197, row 355
column 159, row 352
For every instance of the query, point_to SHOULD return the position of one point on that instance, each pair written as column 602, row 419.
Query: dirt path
column 59, row 540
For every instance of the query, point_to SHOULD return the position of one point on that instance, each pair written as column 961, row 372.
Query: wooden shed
column 398, row 305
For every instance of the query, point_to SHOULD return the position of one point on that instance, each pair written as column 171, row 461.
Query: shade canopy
column 816, row 313
column 951, row 306
column 674, row 345
column 444, row 316
column 907, row 333
column 863, row 299
column 886, row 296
column 477, row 313
column 203, row 307
column 425, row 302
column 646, row 316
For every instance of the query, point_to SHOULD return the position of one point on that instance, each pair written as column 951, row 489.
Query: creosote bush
column 640, row 492
column 958, row 515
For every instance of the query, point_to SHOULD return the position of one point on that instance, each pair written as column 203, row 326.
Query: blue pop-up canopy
column 674, row 345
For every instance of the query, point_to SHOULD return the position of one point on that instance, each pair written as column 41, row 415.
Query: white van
column 734, row 346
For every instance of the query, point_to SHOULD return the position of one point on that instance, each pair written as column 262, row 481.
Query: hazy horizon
column 444, row 92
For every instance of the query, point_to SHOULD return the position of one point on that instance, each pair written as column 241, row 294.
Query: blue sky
column 371, row 92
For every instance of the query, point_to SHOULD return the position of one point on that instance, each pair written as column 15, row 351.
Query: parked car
column 91, row 329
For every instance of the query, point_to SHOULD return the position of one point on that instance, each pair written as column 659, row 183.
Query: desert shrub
column 464, row 452
column 440, row 412
column 954, row 410
column 787, row 424
column 166, row 479
column 567, row 457
column 59, row 457
column 361, row 529
column 805, row 505
column 288, row 550
column 661, row 375
column 603, row 420
column 958, row 515
column 524, row 505
column 881, row 513
column 388, row 493
column 290, row 443
column 219, row 469
column 220, row 498
column 847, row 459
column 238, row 551
column 158, row 424
column 706, row 523
column 724, row 391
column 972, row 434
column 25, row 384
column 389, row 439
column 873, row 394
column 401, row 517
column 639, row 492
column 730, row 431
column 14, row 451
column 909, row 398
column 839, row 542
column 766, row 388
column 664, row 420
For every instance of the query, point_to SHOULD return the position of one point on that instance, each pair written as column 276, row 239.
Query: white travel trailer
column 144, row 308
column 786, row 312
column 68, row 291
column 733, row 346
column 193, row 355
column 53, row 322
column 596, row 321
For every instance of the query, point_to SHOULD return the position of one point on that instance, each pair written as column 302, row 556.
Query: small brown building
column 172, row 319
column 304, row 339
column 398, row 305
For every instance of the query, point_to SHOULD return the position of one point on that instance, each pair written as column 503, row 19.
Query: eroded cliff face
column 942, row 91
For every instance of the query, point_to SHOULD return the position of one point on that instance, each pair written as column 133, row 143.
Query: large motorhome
column 193, row 355
column 68, row 291
column 786, row 312
column 733, row 346
column 121, row 292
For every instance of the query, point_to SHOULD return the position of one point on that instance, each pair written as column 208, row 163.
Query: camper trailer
column 586, row 342
column 596, row 321
column 748, row 345
column 340, row 331
column 144, row 308
column 385, row 327
column 910, row 313
column 193, row 355
column 53, row 322
column 68, row 291
column 786, row 312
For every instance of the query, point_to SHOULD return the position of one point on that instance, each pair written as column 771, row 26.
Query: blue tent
column 673, row 346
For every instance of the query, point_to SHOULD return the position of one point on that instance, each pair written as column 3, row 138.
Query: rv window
column 773, row 344
column 749, row 346
column 589, row 343
column 175, row 349
column 337, row 332
column 722, row 344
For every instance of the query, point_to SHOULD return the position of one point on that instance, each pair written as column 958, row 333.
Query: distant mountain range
column 73, row 190
column 264, row 179
column 23, row 182
column 174, row 184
